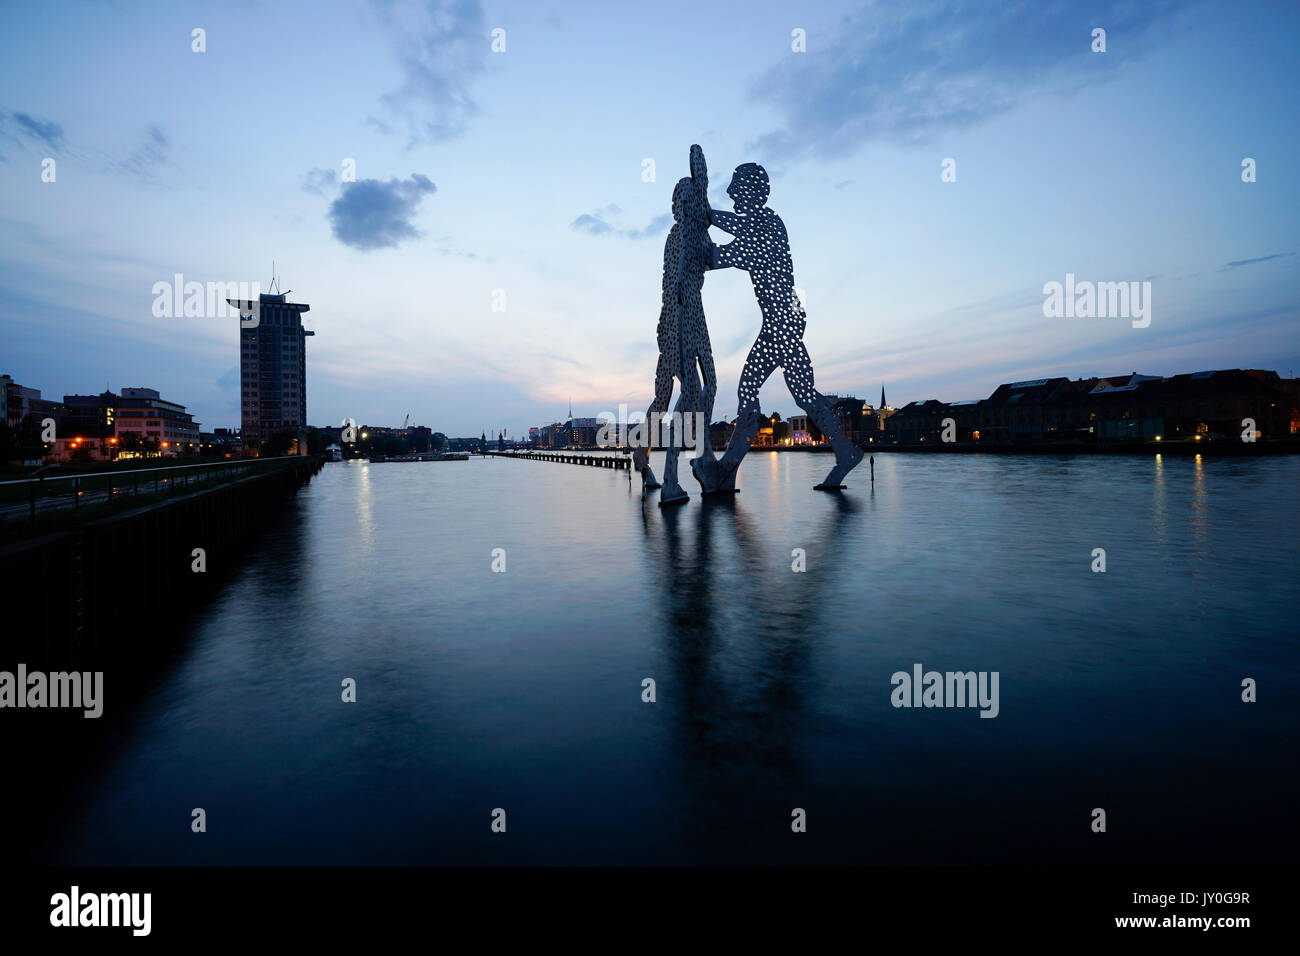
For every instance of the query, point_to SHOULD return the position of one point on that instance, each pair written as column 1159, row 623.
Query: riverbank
column 114, row 597
column 78, row 589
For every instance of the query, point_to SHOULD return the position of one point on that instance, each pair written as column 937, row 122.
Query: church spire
column 882, row 396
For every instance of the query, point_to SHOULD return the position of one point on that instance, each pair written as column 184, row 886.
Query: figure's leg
column 707, row 395
column 663, row 395
column 759, row 366
column 672, row 491
column 799, row 379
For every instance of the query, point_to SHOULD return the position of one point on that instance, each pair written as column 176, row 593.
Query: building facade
column 164, row 426
column 1195, row 406
column 273, row 370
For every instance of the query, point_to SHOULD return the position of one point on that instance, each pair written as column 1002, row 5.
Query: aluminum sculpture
column 761, row 248
column 684, row 352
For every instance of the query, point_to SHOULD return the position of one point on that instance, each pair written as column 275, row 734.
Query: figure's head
column 680, row 193
column 686, row 199
column 749, row 188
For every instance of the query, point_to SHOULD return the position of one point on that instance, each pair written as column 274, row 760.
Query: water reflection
column 742, row 649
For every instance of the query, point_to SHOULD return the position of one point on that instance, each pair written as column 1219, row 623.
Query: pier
column 608, row 460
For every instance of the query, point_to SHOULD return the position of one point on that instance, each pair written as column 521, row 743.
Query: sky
column 480, row 238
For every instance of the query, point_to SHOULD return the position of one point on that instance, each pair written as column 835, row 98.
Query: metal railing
column 114, row 483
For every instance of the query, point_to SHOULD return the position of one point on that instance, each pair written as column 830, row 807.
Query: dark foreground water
column 523, row 690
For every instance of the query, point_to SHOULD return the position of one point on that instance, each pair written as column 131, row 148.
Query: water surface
column 522, row 690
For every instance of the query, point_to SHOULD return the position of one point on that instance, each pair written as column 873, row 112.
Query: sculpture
column 762, row 249
column 683, row 335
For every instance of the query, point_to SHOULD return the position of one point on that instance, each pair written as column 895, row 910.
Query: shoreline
column 1188, row 448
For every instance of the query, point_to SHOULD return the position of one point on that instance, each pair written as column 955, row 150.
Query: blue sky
column 521, row 171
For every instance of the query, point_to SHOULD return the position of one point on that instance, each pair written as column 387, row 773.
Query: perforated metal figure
column 683, row 334
column 762, row 249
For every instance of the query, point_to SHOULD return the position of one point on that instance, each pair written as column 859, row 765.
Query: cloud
column 370, row 214
column 29, row 127
column 319, row 181
column 903, row 72
column 591, row 224
column 441, row 47
column 148, row 155
column 598, row 223
column 1238, row 263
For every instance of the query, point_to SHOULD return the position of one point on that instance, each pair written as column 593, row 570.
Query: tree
column 130, row 442
column 439, row 442
column 315, row 441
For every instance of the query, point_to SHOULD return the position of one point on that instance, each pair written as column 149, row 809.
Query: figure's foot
column 673, row 494
column 706, row 472
column 847, row 458
column 648, row 479
column 725, row 478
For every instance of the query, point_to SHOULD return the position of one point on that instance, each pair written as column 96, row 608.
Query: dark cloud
column 903, row 72
column 320, row 181
column 441, row 47
column 1238, row 263
column 598, row 224
column 370, row 214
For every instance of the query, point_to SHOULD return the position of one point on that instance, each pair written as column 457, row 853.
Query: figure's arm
column 728, row 222
column 726, row 256
column 700, row 172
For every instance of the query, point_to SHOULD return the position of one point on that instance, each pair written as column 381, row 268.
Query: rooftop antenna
column 274, row 282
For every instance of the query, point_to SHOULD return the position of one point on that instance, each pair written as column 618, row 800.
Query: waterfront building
column 19, row 401
column 273, row 370
column 1133, row 407
column 89, row 416
column 220, row 441
column 164, row 426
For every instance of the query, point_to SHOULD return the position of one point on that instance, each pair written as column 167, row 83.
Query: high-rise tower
column 272, row 369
